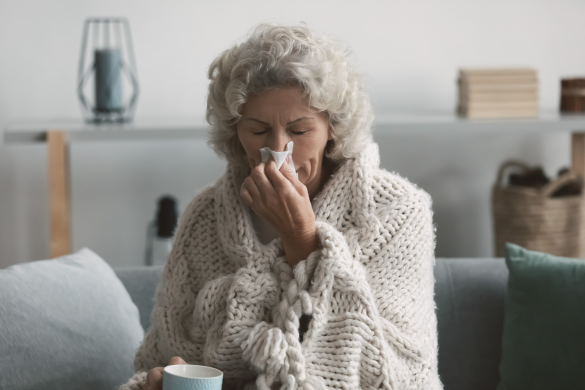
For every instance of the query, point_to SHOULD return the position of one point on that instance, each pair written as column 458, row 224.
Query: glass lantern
column 107, row 81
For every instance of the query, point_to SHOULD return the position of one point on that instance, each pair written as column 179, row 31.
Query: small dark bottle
column 160, row 231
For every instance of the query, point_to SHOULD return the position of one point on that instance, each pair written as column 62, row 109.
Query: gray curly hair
column 276, row 56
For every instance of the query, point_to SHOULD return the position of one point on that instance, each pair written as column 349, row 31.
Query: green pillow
column 543, row 344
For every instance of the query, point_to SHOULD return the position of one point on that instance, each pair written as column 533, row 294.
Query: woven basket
column 531, row 218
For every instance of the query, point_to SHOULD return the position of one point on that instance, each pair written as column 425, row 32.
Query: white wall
column 409, row 50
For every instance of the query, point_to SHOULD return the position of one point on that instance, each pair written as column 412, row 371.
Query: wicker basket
column 531, row 218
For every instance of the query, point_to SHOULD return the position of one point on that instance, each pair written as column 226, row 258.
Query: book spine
column 485, row 97
column 499, row 88
column 531, row 113
column 497, row 106
column 499, row 115
column 493, row 80
column 498, row 72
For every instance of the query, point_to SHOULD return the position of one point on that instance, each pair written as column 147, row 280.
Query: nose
column 278, row 141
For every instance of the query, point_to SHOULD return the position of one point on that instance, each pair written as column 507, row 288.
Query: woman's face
column 276, row 117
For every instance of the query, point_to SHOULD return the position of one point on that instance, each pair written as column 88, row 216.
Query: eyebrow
column 289, row 123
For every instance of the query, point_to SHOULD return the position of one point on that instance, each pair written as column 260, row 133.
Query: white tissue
column 280, row 157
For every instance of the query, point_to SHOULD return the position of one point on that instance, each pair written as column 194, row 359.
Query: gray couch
column 469, row 294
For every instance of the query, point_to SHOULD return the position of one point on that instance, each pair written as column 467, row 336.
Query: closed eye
column 292, row 131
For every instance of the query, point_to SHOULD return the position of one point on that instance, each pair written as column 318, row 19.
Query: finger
column 264, row 185
column 287, row 171
column 291, row 176
column 176, row 360
column 252, row 189
column 154, row 378
column 246, row 196
column 276, row 177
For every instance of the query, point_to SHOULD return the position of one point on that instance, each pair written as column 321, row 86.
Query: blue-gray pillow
column 66, row 323
column 543, row 345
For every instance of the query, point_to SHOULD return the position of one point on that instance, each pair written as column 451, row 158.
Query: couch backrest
column 141, row 283
column 469, row 294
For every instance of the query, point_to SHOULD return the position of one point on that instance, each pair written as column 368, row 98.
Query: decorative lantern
column 107, row 64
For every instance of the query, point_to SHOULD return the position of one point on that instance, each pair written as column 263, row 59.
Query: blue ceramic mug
column 191, row 377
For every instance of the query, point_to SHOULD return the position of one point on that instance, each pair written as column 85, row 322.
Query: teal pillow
column 66, row 323
column 543, row 344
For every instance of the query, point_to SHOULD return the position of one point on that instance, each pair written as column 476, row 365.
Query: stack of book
column 498, row 93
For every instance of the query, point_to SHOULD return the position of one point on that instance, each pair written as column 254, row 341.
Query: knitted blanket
column 227, row 301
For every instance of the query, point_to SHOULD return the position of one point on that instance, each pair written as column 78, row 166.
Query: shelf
column 77, row 130
column 59, row 134
column 450, row 124
column 387, row 124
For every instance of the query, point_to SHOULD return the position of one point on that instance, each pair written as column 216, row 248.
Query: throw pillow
column 66, row 323
column 543, row 344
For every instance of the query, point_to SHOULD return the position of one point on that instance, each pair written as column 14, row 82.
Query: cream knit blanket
column 227, row 301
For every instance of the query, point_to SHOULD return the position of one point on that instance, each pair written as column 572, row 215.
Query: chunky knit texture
column 227, row 301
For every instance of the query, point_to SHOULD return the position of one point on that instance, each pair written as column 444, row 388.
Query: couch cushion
column 469, row 294
column 543, row 346
column 66, row 323
column 141, row 284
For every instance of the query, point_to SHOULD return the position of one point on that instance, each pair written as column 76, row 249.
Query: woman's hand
column 154, row 378
column 283, row 201
column 279, row 198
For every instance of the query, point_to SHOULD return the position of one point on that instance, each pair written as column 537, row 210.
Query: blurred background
column 409, row 51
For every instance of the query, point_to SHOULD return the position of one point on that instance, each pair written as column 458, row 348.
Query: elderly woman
column 314, row 275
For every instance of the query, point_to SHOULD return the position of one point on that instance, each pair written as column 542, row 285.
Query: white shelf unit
column 58, row 134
